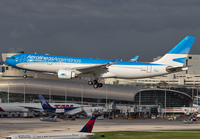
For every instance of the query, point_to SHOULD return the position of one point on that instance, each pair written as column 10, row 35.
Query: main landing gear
column 95, row 83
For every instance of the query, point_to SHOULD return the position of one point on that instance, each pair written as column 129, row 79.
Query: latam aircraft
column 36, row 107
column 84, row 133
column 58, row 111
column 71, row 67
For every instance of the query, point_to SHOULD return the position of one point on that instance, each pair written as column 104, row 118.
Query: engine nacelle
column 66, row 74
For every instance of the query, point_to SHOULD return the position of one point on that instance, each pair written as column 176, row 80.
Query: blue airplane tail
column 44, row 103
column 89, row 125
column 177, row 55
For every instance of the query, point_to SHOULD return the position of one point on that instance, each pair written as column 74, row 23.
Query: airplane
column 36, row 107
column 66, row 67
column 58, row 111
column 84, row 133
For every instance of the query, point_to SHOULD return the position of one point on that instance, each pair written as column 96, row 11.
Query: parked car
column 153, row 117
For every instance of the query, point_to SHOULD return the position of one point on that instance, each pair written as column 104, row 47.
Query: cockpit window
column 12, row 57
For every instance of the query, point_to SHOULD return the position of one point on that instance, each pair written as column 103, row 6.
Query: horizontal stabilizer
column 176, row 69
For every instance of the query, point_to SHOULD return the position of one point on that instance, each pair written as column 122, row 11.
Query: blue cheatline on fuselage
column 40, row 58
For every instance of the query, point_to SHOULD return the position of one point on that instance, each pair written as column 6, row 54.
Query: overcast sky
column 99, row 28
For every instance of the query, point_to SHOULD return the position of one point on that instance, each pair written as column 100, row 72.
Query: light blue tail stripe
column 183, row 47
column 180, row 60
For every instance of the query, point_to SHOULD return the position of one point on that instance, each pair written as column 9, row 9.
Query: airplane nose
column 7, row 61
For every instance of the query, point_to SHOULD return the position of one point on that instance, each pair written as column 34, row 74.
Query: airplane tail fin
column 90, row 123
column 177, row 55
column 44, row 103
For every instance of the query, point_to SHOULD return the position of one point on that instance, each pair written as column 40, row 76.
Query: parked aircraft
column 36, row 107
column 58, row 110
column 84, row 133
column 71, row 67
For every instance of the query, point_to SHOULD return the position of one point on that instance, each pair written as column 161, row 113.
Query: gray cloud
column 104, row 29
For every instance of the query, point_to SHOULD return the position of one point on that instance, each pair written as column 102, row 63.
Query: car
column 100, row 117
column 170, row 118
column 153, row 117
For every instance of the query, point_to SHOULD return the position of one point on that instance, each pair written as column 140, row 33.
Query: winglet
column 113, row 62
column 134, row 59
column 44, row 103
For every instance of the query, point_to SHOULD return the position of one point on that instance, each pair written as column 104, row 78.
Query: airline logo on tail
column 89, row 125
column 44, row 103
column 1, row 110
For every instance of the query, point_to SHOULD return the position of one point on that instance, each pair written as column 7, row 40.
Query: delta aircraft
column 72, row 67
column 84, row 133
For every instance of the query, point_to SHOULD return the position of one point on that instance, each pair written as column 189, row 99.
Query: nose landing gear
column 25, row 76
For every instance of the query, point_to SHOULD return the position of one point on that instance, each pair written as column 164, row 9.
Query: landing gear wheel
column 95, row 82
column 95, row 86
column 25, row 76
column 90, row 82
column 100, row 85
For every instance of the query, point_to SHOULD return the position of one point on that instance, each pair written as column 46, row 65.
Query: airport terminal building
column 27, row 90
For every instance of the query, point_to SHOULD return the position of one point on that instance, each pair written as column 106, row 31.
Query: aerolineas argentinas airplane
column 84, row 133
column 72, row 67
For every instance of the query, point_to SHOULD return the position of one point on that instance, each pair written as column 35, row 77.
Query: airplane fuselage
column 58, row 135
column 121, row 69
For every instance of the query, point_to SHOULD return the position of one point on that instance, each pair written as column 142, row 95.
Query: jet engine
column 66, row 74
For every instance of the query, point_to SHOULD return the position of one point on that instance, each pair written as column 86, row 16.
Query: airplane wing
column 96, row 69
column 32, row 108
column 74, row 111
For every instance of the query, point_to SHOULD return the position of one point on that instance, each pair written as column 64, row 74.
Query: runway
column 10, row 126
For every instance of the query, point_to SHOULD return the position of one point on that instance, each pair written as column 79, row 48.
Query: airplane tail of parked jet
column 177, row 56
column 90, row 123
column 44, row 103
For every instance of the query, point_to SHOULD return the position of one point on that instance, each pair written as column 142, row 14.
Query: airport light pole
column 165, row 102
column 82, row 95
column 49, row 93
column 66, row 94
column 139, row 101
column 106, row 97
column 8, row 92
column 24, row 92
column 197, row 96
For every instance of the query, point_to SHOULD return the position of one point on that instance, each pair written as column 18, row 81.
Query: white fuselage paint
column 117, row 71
column 56, row 135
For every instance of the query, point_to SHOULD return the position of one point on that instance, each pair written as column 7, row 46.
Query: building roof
column 72, row 89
